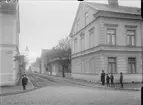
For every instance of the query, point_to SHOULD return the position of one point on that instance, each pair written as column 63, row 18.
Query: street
column 54, row 91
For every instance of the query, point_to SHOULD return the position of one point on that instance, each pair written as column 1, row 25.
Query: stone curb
column 19, row 92
column 96, row 84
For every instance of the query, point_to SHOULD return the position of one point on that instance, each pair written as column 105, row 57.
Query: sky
column 44, row 22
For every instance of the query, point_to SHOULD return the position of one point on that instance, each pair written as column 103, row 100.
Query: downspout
column 141, row 29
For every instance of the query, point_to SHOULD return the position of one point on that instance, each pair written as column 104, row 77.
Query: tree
column 63, row 52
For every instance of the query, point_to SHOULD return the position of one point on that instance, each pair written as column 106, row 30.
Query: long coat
column 102, row 77
column 24, row 81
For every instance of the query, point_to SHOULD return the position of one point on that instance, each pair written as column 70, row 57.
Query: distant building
column 45, row 58
column 9, row 42
column 106, row 37
column 52, row 64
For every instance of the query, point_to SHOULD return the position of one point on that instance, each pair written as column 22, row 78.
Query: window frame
column 129, row 43
column 91, row 37
column 86, row 18
column 132, row 62
column 75, row 45
column 82, row 41
column 78, row 25
column 115, row 63
column 111, row 37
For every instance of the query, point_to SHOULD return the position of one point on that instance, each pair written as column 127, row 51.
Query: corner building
column 9, row 42
column 106, row 37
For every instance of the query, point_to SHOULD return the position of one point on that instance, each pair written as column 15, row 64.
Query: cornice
column 100, row 48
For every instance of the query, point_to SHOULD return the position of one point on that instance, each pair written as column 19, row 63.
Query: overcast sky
column 44, row 22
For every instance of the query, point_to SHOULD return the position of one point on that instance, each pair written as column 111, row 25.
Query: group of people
column 110, row 79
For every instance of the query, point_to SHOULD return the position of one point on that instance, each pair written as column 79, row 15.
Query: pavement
column 127, row 86
column 73, row 95
column 10, row 90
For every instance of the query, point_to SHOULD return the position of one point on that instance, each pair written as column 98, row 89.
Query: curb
column 22, row 91
column 93, row 85
column 19, row 92
column 96, row 84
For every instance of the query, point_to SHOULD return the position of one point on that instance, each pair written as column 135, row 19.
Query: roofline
column 111, row 11
column 98, row 18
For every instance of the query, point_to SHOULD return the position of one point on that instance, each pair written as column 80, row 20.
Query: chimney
column 113, row 2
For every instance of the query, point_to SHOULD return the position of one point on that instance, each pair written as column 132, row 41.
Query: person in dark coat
column 112, row 80
column 103, row 77
column 24, row 81
column 108, row 80
column 121, row 79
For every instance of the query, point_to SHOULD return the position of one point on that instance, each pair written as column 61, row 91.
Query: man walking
column 108, row 80
column 112, row 80
column 121, row 79
column 24, row 81
column 103, row 77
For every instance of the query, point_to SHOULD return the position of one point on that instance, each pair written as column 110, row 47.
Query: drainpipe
column 141, row 29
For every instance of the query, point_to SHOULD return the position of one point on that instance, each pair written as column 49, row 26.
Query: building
column 45, row 58
column 54, row 62
column 106, row 37
column 9, row 42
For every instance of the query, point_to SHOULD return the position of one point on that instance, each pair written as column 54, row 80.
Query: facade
column 9, row 42
column 57, row 69
column 106, row 37
column 45, row 58
column 52, row 65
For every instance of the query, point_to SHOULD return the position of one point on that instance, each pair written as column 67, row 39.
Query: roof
column 117, row 9
column 110, row 8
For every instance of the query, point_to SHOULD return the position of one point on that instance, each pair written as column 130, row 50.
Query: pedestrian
column 121, row 79
column 24, row 81
column 107, row 80
column 112, row 80
column 103, row 77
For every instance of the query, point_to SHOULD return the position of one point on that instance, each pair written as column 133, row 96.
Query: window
column 112, row 65
column 91, row 38
column 82, row 65
column 77, row 25
column 111, row 34
column 132, row 65
column 131, row 37
column 75, row 45
column 86, row 18
column 82, row 42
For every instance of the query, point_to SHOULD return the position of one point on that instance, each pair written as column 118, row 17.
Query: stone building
column 9, row 41
column 106, row 37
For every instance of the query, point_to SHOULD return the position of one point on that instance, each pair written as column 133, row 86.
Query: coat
column 24, row 81
column 102, row 77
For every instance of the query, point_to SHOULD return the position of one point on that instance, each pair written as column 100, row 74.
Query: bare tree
column 64, row 53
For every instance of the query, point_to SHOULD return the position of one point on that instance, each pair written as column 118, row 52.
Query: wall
column 121, row 30
column 92, row 64
column 8, row 68
column 8, row 29
column 122, row 61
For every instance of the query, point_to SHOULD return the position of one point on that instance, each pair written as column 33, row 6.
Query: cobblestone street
column 63, row 93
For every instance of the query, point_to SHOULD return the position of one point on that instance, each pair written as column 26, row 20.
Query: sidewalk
column 127, row 86
column 10, row 90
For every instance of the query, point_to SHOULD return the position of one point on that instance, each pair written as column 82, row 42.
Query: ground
column 54, row 91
